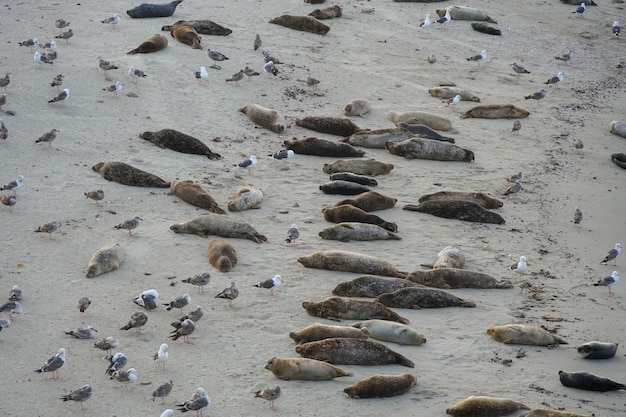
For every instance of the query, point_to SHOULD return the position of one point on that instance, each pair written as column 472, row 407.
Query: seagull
column 519, row 266
column 162, row 391
column 250, row 72
column 267, row 58
column 8, row 200
column 270, row 283
column 15, row 294
column 147, row 299
column 517, row 185
column 248, row 163
column 137, row 320
column 14, row 185
column 202, row 74
column 83, row 332
column 116, row 362
column 49, row 46
column 432, row 59
column 129, row 224
column 519, row 69
column 517, row 125
column 200, row 280
column 270, row 68
column 3, row 101
column 162, row 355
column 179, row 302
column 48, row 137
column 66, row 35
column 114, row 88
column 446, row 19
column 49, row 228
column 83, row 304
column 62, row 96
column 136, row 73
column 453, row 101
column 106, row 343
column 4, row 324
column 50, row 56
column 216, row 56
column 82, row 394
column 125, row 376
column 54, row 363
column 113, row 20
column 60, row 23
column 4, row 82
column 13, row 307
column 236, row 77
column 199, row 402
column 539, row 95
column 580, row 9
column 96, row 195
column 566, row 57
column 556, row 79
column 292, row 234
column 229, row 293
column 608, row 281
column 616, row 29
column 257, row 42
column 311, row 82
column 32, row 42
column 480, row 57
column 282, row 154
column 168, row 413
column 41, row 59
column 57, row 81
column 4, row 132
column 194, row 315
column 613, row 254
column 578, row 215
column 105, row 66
column 270, row 394
column 579, row 144
column 186, row 328
column 426, row 21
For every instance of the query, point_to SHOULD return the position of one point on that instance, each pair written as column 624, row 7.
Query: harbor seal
column 348, row 213
column 213, row 224
column 389, row 331
column 106, row 259
column 465, row 13
column 619, row 159
column 522, row 334
column 352, row 352
column 546, row 412
column 483, row 199
column 417, row 298
column 343, row 188
column 448, row 257
column 359, row 179
column 421, row 118
column 304, row 369
column 377, row 138
column 264, row 117
column 357, row 107
column 128, row 175
column 446, row 92
column 457, row 209
column 597, row 350
column 193, row 193
column 485, row 28
column 347, row 231
column 479, row 406
column 448, row 278
column 589, row 381
column 246, row 197
column 495, row 111
column 153, row 10
column 371, row 286
column 329, row 12
column 420, row 148
column 186, row 34
column 338, row 260
column 310, row 145
column 303, row 23
column 204, row 27
column 618, row 128
column 154, row 43
column 381, row 386
column 359, row 166
column 422, row 131
column 179, row 142
column 340, row 126
column 370, row 201
column 222, row 254
column 336, row 308
column 318, row 331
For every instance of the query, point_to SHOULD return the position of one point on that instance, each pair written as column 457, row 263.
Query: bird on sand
column 106, row 343
column 113, row 20
column 48, row 137
column 539, row 95
column 82, row 332
column 82, row 394
column 114, row 88
column 129, row 224
column 556, row 79
column 162, row 391
column 95, row 195
column 257, row 42
column 179, row 302
column 54, row 363
column 57, row 81
column 14, row 185
column 292, row 234
column 565, row 57
column 13, row 307
column 199, row 279
column 517, row 125
column 520, row 267
column 83, row 304
column 270, row 283
column 608, row 281
column 162, row 356
column 578, row 215
column 519, row 69
column 15, row 294
column 8, row 200
column 186, row 328
column 66, row 35
column 61, row 96
column 426, row 22
column 517, row 185
column 136, row 74
column 229, row 293
column 216, row 56
column 137, row 320
column 248, row 163
column 49, row 228
column 270, row 394
column 613, row 254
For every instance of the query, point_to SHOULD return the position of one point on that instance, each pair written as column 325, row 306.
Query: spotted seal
column 304, row 369
column 418, row 298
column 213, row 224
column 186, row 34
column 448, row 278
column 480, row 406
column 336, row 308
column 377, row 138
column 153, row 10
column 496, row 111
column 370, row 201
column 359, row 179
column 449, row 92
column 222, row 254
column 317, row 331
column 465, row 13
column 589, row 381
column 343, row 187
column 371, row 286
column 128, row 175
column 359, row 166
column 483, row 199
column 420, row 148
column 179, row 142
column 338, row 260
column 390, row 331
column 457, row 209
column 310, row 145
column 431, row 120
column 357, row 107
column 522, row 334
column 154, row 43
column 352, row 352
column 347, row 231
column 264, row 117
column 303, row 23
column 193, row 193
column 349, row 213
column 324, row 13
column 597, row 350
column 106, row 259
column 380, row 386
column 245, row 198
column 204, row 27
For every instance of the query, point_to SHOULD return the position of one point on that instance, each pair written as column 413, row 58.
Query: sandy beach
column 377, row 52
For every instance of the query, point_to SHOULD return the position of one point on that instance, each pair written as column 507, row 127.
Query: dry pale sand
column 377, row 52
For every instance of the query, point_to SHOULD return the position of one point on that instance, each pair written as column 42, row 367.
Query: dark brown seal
column 304, row 369
column 336, row 308
column 478, row 406
column 371, row 286
column 222, row 254
column 483, row 199
column 326, row 12
column 589, row 381
column 597, row 350
column 187, row 35
column 264, row 117
column 317, row 331
column 359, row 179
column 154, row 43
column 421, row 148
column 204, row 27
column 370, row 201
column 347, row 231
column 194, row 194
column 212, row 224
column 380, row 386
column 153, row 10
column 352, row 352
column 340, row 126
column 179, row 142
column 349, row 213
column 448, row 278
column 485, row 28
column 495, row 111
column 343, row 188
column 339, row 260
column 416, row 298
column 321, row 147
column 128, row 175
column 619, row 159
column 303, row 23
column 457, row 209
column 359, row 167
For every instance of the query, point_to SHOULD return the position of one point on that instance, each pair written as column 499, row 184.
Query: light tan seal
column 421, row 148
column 417, row 298
column 304, row 369
column 357, row 107
column 381, row 386
column 245, row 198
column 154, row 43
column 303, row 23
column 264, row 117
column 371, row 286
column 421, row 118
column 317, row 331
column 522, row 334
column 106, row 259
column 352, row 352
column 478, row 406
column 128, row 175
column 448, row 257
column 336, row 308
column 187, row 35
column 213, row 224
column 448, row 278
column 222, row 254
column 193, row 193
column 359, row 166
column 545, row 412
column 338, row 260
column 465, row 13
column 483, row 199
column 347, row 231
column 389, row 331
column 370, row 201
column 348, row 213
column 495, row 111
column 446, row 92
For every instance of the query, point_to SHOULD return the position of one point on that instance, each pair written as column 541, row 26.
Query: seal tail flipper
column 404, row 361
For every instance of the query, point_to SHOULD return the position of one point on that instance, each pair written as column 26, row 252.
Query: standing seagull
column 4, row 132
column 292, row 234
column 179, row 302
column 106, row 343
column 613, row 254
column 580, row 9
column 186, row 328
column 8, row 200
column 216, row 56
column 556, row 79
column 517, row 125
column 480, row 57
column 565, row 57
column 578, row 215
column 42, row 59
column 311, row 82
column 125, row 376
column 113, row 20
column 608, row 281
column 114, row 88
column 520, row 266
column 137, row 320
column 270, row 283
column 199, row 402
column 236, row 77
column 129, row 224
column 426, row 21
column 13, row 307
column 257, row 42
column 162, row 355
column 270, row 394
column 250, row 72
column 82, row 394
column 4, row 82
column 116, row 362
column 60, row 24
column 248, row 163
column 57, row 81
column 517, row 185
column 15, row 294
column 539, row 95
column 446, row 19
column 14, row 185
column 83, row 304
column 49, row 228
column 453, row 101
column 199, row 279
column 66, row 35
column 54, row 363
column 270, row 68
column 49, row 46
column 616, row 29
column 62, row 96
column 48, row 137
column 202, row 75
column 135, row 74
column 162, row 391
column 519, row 69
column 229, row 293
column 95, row 195
column 106, row 66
